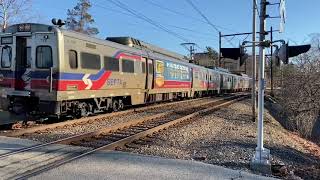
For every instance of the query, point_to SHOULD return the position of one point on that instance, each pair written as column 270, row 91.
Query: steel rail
column 92, row 118
column 77, row 137
column 129, row 139
column 140, row 135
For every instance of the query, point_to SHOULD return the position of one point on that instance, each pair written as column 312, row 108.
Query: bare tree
column 12, row 11
column 213, row 55
column 300, row 91
column 80, row 20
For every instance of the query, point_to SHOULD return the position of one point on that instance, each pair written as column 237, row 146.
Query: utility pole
column 253, row 93
column 219, row 60
column 271, row 63
column 260, row 161
column 190, row 48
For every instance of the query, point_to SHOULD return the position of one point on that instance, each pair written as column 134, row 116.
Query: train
column 50, row 71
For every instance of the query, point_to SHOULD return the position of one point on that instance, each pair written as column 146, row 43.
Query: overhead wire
column 143, row 17
column 150, row 21
column 202, row 15
column 207, row 20
column 246, row 37
column 183, row 14
column 208, row 35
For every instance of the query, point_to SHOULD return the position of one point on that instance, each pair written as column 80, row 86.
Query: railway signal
column 285, row 52
column 235, row 53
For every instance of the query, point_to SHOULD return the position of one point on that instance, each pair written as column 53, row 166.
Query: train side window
column 73, row 59
column 28, row 56
column 196, row 75
column 143, row 67
column 90, row 61
column 127, row 66
column 138, row 67
column 150, row 67
column 111, row 64
column 6, row 57
column 44, row 57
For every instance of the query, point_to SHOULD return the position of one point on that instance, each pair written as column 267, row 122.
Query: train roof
column 129, row 44
column 132, row 42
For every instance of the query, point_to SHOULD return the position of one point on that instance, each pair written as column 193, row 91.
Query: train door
column 7, row 60
column 45, row 62
column 207, row 80
column 192, row 77
column 22, row 63
column 150, row 71
column 145, row 72
column 233, row 83
column 221, row 82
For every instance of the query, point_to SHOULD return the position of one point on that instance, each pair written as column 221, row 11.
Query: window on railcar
column 150, row 68
column 90, row 61
column 6, row 57
column 196, row 75
column 111, row 64
column 29, row 58
column 127, row 66
column 44, row 57
column 73, row 59
column 138, row 67
column 143, row 67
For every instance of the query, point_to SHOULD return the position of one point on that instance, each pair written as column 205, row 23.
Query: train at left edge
column 50, row 71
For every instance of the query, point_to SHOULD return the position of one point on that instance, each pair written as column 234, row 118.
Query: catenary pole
column 260, row 161
column 261, row 74
column 253, row 95
column 271, row 62
column 219, row 60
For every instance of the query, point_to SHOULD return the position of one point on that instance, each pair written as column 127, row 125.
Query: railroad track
column 107, row 138
column 21, row 132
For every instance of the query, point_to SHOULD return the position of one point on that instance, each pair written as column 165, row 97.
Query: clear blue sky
column 230, row 15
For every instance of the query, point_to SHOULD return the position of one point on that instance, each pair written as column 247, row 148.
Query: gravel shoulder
column 227, row 138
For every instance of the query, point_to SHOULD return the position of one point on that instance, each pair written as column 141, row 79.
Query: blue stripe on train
column 60, row 76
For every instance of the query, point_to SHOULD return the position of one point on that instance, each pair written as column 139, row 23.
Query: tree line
column 299, row 92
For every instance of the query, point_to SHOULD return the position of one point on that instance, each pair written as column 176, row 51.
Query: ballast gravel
column 227, row 137
column 76, row 129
